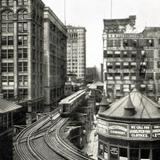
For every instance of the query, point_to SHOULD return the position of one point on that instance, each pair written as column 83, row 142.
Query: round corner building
column 129, row 129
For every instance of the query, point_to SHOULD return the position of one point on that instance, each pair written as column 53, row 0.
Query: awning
column 7, row 106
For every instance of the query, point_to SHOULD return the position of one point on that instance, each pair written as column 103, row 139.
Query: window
column 22, row 27
column 155, row 154
column 134, row 154
column 10, row 2
column 22, row 53
column 4, row 27
column 7, row 2
column 158, row 64
column 4, row 2
column 9, row 94
column 10, row 27
column 7, row 15
column 22, row 40
column 7, row 40
column 25, row 2
column 10, row 40
column 150, row 42
column 4, row 40
column 22, row 2
column 109, row 43
column 10, row 80
column 23, row 93
column 4, row 80
column 117, row 43
column 22, row 66
column 122, row 153
column 7, row 67
column 145, row 154
column 125, row 43
column 22, row 14
column 23, row 80
column 7, row 54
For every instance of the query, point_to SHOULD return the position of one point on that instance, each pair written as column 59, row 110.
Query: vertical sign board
column 156, row 131
column 139, row 131
column 113, row 153
column 117, row 129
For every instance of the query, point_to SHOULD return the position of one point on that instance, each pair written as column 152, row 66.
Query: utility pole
column 111, row 8
column 65, row 12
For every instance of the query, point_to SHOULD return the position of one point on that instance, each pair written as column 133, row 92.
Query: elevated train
column 68, row 104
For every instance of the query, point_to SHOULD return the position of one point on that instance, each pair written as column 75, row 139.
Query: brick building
column 130, row 59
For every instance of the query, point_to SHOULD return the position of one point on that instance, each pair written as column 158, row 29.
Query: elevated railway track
column 43, row 141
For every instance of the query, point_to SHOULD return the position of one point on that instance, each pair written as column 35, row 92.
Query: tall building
column 22, row 52
column 130, row 59
column 76, row 51
column 91, row 74
column 55, row 48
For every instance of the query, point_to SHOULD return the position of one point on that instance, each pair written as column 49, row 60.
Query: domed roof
column 133, row 106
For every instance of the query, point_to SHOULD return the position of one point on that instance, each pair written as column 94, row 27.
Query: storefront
column 129, row 129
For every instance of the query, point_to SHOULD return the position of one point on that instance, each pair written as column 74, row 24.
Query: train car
column 68, row 104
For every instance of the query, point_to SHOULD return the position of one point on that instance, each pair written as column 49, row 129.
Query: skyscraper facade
column 130, row 59
column 76, row 51
column 55, row 48
column 22, row 52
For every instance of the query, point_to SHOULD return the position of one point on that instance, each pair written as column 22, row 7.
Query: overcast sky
column 90, row 14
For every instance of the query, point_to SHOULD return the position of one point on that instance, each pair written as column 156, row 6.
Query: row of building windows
column 9, row 27
column 9, row 40
column 9, row 94
column 119, row 88
column 130, row 43
column 123, row 54
column 9, row 67
column 9, row 53
column 121, row 65
column 9, row 80
column 5, row 3
column 128, row 76
column 113, row 152
column 9, row 15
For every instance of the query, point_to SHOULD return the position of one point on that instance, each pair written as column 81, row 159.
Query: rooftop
column 133, row 106
column 7, row 106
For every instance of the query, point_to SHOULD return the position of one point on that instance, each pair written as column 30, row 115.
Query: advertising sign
column 117, row 129
column 102, row 127
column 156, row 131
column 139, row 131
column 113, row 153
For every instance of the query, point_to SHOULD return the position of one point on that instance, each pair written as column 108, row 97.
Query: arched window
column 22, row 14
column 7, row 15
column 7, row 2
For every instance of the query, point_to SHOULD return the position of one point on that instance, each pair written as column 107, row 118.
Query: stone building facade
column 55, row 41
column 29, row 73
column 22, row 52
column 76, row 51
